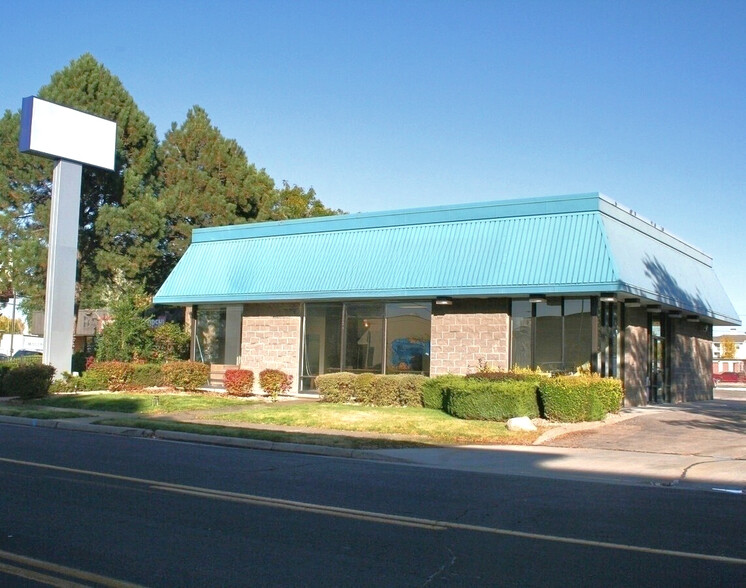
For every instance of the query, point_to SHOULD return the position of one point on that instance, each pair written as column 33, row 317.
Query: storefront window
column 554, row 336
column 548, row 336
column 365, row 337
column 522, row 333
column 577, row 334
column 408, row 338
column 217, row 336
column 322, row 342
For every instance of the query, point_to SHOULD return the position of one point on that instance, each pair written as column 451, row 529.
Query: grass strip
column 327, row 440
column 40, row 413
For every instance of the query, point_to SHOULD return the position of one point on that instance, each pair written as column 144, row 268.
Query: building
column 735, row 363
column 557, row 283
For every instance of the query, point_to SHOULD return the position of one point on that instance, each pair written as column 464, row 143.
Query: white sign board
column 58, row 132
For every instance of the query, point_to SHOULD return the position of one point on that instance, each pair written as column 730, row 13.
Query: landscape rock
column 520, row 424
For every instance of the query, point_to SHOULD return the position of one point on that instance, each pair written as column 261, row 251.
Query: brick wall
column 635, row 357
column 270, row 338
column 691, row 360
column 468, row 331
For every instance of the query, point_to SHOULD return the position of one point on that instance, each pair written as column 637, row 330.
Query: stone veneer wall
column 270, row 338
column 469, row 331
column 690, row 354
column 636, row 357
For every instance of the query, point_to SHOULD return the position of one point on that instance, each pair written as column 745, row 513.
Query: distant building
column 556, row 283
column 733, row 364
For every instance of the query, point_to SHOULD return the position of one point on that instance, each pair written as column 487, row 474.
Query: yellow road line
column 381, row 517
column 32, row 574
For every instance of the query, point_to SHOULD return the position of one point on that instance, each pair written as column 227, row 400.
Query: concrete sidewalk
column 698, row 444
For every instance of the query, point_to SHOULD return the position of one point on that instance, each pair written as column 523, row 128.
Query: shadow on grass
column 40, row 413
column 104, row 402
column 358, row 441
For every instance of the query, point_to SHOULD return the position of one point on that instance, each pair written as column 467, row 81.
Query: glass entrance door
column 658, row 374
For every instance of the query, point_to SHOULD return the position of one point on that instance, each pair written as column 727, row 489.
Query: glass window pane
column 521, row 333
column 218, row 334
column 578, row 339
column 322, row 342
column 364, row 338
column 209, row 344
column 548, row 336
column 408, row 338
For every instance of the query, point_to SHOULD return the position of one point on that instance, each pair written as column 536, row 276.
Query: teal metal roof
column 582, row 244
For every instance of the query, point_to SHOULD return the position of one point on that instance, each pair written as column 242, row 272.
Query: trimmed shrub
column 29, row 381
column 275, row 382
column 116, row 374
column 521, row 376
column 363, row 388
column 239, row 382
column 90, row 380
column 186, row 375
column 410, row 389
column 580, row 398
column 385, row 391
column 435, row 390
column 146, row 375
column 492, row 401
column 337, row 388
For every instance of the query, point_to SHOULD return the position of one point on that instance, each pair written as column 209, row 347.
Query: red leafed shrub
column 116, row 373
column 239, row 382
column 275, row 382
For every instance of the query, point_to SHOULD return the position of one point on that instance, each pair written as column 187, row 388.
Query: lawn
column 142, row 403
column 320, row 421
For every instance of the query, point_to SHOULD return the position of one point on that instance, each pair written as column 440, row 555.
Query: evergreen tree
column 25, row 182
column 120, row 224
column 207, row 181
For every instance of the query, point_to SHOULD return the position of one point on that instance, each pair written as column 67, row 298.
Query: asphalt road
column 91, row 508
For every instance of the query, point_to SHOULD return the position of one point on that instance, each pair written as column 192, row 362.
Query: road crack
column 448, row 564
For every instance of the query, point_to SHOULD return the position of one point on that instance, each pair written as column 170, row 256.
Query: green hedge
column 30, row 380
column 337, row 388
column 146, row 375
column 363, row 390
column 435, row 390
column 580, row 398
column 371, row 389
column 485, row 400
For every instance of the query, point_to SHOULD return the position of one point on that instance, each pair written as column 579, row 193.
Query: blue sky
column 382, row 105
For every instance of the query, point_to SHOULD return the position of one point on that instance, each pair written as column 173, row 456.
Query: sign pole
column 59, row 318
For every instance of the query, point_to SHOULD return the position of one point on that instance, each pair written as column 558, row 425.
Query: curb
column 219, row 440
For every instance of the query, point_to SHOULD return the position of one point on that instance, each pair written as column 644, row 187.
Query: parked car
column 728, row 378
column 3, row 357
column 25, row 353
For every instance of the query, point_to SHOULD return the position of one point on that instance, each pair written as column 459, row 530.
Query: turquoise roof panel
column 581, row 244
column 656, row 267
column 482, row 257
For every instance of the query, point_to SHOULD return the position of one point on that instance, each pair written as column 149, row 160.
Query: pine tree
column 120, row 223
column 207, row 181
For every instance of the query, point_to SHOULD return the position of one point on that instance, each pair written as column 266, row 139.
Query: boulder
column 520, row 424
